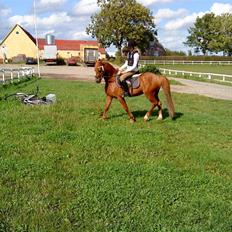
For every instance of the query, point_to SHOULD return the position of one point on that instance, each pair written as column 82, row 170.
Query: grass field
column 219, row 69
column 63, row 169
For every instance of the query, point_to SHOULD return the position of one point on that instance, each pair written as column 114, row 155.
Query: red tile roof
column 73, row 45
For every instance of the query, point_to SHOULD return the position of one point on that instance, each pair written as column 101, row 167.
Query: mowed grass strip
column 63, row 169
column 206, row 68
column 202, row 68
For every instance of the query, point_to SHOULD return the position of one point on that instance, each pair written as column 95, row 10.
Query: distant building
column 155, row 49
column 20, row 42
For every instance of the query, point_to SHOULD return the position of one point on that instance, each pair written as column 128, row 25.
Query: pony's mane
column 109, row 67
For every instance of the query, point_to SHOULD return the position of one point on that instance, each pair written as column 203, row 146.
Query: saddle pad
column 134, row 81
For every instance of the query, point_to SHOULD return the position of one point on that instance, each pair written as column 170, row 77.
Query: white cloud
column 151, row 2
column 26, row 20
column 79, row 35
column 174, row 32
column 86, row 7
column 183, row 23
column 220, row 8
column 45, row 5
column 44, row 33
column 54, row 19
column 173, row 40
column 168, row 14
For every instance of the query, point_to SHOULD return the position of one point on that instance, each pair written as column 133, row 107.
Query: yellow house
column 20, row 42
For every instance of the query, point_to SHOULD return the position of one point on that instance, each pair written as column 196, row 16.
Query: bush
column 149, row 68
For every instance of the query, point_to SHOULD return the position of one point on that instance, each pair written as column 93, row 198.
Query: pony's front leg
column 107, row 106
column 124, row 105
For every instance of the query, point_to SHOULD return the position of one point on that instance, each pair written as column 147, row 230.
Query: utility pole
column 36, row 38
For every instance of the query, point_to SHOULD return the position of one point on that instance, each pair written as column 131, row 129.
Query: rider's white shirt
column 125, row 67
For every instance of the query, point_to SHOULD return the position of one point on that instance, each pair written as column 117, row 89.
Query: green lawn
column 63, row 169
column 219, row 69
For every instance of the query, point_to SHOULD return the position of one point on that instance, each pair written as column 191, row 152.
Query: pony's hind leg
column 154, row 102
column 160, row 111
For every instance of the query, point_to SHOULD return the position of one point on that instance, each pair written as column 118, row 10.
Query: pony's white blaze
column 102, row 68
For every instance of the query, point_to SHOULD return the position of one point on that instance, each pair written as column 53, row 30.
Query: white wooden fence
column 210, row 76
column 10, row 74
column 144, row 62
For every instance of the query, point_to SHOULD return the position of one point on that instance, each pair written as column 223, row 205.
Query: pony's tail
column 166, row 88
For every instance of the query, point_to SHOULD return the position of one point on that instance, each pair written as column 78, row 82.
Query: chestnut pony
column 150, row 85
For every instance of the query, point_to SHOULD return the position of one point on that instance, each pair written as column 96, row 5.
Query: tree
column 212, row 34
column 225, row 33
column 121, row 20
column 202, row 33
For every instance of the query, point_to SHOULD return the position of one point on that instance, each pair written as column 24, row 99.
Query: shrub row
column 150, row 68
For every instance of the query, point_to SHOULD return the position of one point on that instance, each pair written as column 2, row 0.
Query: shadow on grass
column 141, row 114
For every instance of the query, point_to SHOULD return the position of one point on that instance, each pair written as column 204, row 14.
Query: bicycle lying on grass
column 33, row 99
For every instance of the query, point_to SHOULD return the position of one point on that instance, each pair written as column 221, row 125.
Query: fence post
column 3, row 76
column 209, row 76
column 11, row 76
column 18, row 76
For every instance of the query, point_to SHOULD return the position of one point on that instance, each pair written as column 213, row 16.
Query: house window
column 17, row 32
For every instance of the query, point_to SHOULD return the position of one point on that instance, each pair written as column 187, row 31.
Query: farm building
column 20, row 42
column 155, row 49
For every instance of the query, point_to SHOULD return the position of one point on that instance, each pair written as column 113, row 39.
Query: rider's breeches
column 126, row 75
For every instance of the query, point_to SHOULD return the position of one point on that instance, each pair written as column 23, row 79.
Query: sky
column 67, row 19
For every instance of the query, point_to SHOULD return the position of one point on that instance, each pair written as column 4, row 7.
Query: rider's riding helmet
column 131, row 44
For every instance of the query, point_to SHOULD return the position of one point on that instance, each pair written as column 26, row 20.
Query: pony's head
column 99, row 70
column 104, row 69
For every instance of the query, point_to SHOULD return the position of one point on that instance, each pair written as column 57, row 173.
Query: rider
column 130, row 67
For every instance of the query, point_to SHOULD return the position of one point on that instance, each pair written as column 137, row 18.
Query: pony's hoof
column 132, row 120
column 103, row 118
column 146, row 118
column 159, row 118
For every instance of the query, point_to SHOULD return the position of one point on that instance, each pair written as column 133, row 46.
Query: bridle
column 101, row 73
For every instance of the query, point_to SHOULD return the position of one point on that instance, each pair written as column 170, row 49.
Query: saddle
column 132, row 82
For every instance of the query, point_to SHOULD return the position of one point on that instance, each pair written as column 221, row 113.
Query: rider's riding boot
column 126, row 89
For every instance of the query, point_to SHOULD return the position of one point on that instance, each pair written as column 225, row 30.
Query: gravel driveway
column 87, row 74
column 203, row 88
